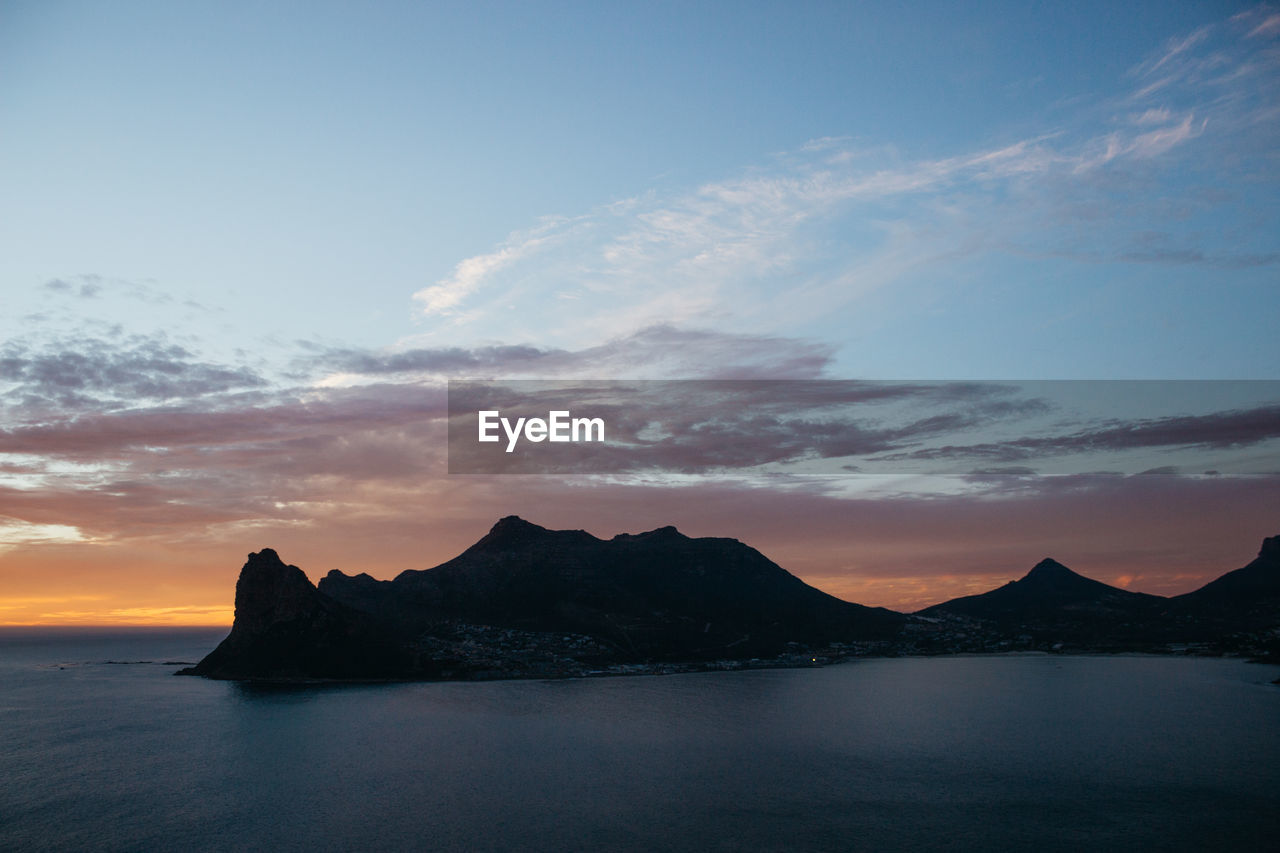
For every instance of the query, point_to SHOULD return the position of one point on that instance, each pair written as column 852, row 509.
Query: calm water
column 978, row 753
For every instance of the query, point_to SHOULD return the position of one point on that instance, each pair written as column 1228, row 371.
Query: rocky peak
column 269, row 590
column 1048, row 569
column 668, row 532
column 509, row 532
column 513, row 523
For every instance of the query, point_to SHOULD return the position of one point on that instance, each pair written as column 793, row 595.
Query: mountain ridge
column 1048, row 584
column 1259, row 579
column 527, row 601
column 659, row 592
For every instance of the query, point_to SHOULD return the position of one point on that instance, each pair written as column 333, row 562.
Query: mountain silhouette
column 1258, row 583
column 284, row 627
column 655, row 596
column 1054, row 607
column 659, row 594
column 1049, row 588
column 1240, row 608
column 525, row 601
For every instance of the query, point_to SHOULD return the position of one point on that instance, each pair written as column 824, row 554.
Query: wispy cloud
column 1269, row 25
column 446, row 295
column 1167, row 65
column 921, row 429
column 755, row 274
column 293, row 456
column 98, row 374
column 351, row 478
column 85, row 287
column 16, row 532
column 689, row 427
column 92, row 286
column 652, row 352
column 838, row 218
column 1239, row 428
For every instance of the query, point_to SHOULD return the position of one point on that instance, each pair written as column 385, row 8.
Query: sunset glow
column 243, row 258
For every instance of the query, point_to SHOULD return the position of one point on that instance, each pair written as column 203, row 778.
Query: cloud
column 732, row 249
column 698, row 427
column 92, row 286
column 85, row 287
column 437, row 361
column 352, row 478
column 1197, row 257
column 807, row 235
column 118, row 439
column 15, row 532
column 657, row 351
column 206, row 427
column 1216, row 58
column 1220, row 430
column 1176, row 47
column 93, row 373
column 1160, row 115
column 667, row 351
column 470, row 274
column 351, row 456
column 926, row 430
column 1157, row 142
column 394, row 431
column 1268, row 26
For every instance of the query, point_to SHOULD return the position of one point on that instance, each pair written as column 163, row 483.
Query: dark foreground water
column 966, row 753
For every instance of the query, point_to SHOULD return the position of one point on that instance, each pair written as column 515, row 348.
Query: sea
column 103, row 748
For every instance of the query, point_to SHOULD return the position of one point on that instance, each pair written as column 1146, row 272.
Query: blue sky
column 243, row 244
column 939, row 190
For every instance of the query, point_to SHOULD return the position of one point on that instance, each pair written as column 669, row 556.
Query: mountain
column 1240, row 609
column 655, row 595
column 1052, row 605
column 527, row 600
column 285, row 628
column 1256, row 584
column 1049, row 588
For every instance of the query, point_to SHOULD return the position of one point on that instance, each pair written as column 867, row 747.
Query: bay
column 102, row 748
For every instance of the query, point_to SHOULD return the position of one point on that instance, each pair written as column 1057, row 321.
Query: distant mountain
column 1049, row 588
column 1054, row 607
column 1241, row 609
column 1256, row 584
column 524, row 594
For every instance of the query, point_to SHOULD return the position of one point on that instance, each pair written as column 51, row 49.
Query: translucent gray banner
column 969, row 429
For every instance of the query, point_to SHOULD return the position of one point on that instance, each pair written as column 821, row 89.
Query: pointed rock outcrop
column 286, row 629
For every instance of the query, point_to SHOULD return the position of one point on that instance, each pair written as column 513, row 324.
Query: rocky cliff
column 285, row 628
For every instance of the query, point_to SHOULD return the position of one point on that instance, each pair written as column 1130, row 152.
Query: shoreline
column 816, row 661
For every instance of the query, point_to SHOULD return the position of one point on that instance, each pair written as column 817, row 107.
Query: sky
column 243, row 247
